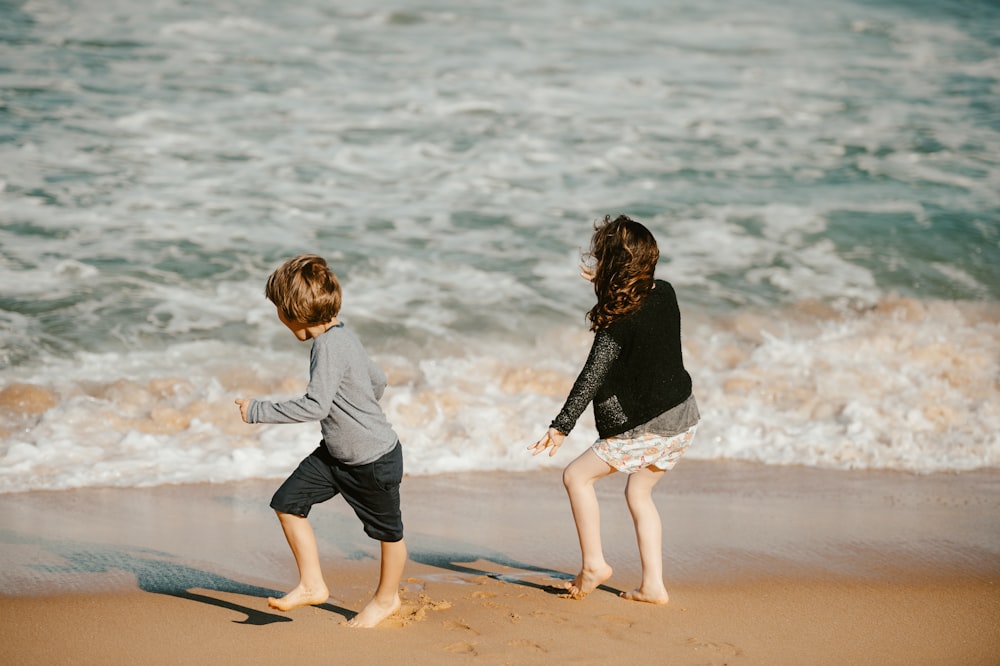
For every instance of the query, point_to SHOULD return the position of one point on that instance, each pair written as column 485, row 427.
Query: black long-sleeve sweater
column 635, row 370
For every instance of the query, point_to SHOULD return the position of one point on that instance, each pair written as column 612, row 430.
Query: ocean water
column 823, row 180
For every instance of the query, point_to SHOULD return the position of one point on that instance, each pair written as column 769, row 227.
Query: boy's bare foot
column 587, row 581
column 660, row 597
column 300, row 596
column 374, row 613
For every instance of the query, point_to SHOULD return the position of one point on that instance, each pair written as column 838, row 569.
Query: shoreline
column 764, row 564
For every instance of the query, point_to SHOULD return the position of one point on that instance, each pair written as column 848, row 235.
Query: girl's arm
column 602, row 354
column 552, row 438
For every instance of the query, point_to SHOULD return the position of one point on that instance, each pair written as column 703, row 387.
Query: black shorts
column 372, row 490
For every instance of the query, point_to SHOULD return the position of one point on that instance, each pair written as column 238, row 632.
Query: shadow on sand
column 444, row 553
column 459, row 557
column 155, row 572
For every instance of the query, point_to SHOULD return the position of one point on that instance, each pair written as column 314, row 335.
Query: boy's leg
column 648, row 534
column 311, row 483
column 372, row 490
column 579, row 478
column 386, row 600
column 311, row 588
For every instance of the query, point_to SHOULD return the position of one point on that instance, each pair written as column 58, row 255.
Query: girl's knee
column 574, row 477
column 637, row 492
column 568, row 477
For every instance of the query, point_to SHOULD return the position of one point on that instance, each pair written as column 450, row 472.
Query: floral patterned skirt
column 630, row 454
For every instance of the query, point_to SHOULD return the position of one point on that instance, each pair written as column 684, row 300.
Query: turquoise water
column 824, row 181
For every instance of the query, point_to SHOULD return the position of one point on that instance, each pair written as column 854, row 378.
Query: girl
column 645, row 412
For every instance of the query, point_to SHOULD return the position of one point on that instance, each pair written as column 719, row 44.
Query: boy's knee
column 385, row 534
column 282, row 504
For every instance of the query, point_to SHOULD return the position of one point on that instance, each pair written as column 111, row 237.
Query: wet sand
column 764, row 565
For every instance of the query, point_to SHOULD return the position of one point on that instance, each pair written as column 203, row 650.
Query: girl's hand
column 244, row 406
column 587, row 271
column 553, row 438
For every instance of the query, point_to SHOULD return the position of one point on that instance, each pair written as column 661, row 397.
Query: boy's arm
column 325, row 375
column 378, row 379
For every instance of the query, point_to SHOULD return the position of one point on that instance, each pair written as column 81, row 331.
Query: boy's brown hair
column 305, row 290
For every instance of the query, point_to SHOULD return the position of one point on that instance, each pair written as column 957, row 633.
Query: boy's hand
column 244, row 406
column 552, row 438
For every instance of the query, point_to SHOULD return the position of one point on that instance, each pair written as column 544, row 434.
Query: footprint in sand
column 414, row 585
column 615, row 626
column 725, row 649
column 493, row 604
column 545, row 615
column 461, row 648
column 531, row 645
column 460, row 626
column 416, row 612
column 616, row 619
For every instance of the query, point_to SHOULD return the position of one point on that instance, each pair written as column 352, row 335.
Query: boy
column 360, row 456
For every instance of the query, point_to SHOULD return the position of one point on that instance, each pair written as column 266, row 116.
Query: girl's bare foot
column 374, row 613
column 660, row 597
column 587, row 581
column 300, row 596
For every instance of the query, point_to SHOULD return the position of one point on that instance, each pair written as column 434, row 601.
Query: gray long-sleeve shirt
column 345, row 386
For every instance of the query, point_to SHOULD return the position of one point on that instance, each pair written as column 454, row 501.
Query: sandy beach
column 764, row 564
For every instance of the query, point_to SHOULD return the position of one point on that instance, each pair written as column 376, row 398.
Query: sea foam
column 903, row 385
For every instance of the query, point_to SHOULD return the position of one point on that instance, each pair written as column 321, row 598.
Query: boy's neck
column 313, row 332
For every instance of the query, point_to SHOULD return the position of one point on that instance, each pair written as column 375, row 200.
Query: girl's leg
column 312, row 588
column 386, row 600
column 579, row 477
column 649, row 535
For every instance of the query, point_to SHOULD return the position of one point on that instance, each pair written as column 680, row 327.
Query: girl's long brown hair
column 626, row 256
